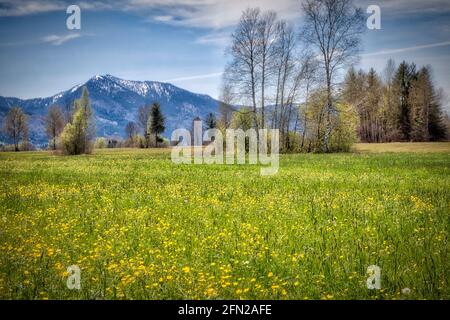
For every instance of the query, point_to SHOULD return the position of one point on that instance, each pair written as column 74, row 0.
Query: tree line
column 73, row 132
column 272, row 67
column 402, row 104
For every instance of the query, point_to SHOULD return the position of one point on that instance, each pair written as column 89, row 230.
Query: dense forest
column 401, row 105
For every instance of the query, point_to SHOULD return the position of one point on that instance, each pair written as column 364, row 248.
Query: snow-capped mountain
column 115, row 102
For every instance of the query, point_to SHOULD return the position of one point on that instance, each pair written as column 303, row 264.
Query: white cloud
column 27, row 7
column 194, row 13
column 196, row 77
column 216, row 13
column 208, row 13
column 53, row 39
column 217, row 38
column 166, row 18
column 404, row 7
column 406, row 49
column 57, row 40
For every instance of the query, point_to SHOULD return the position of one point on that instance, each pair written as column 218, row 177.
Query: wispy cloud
column 406, row 7
column 406, row 49
column 11, row 8
column 214, row 14
column 52, row 39
column 193, row 13
column 196, row 77
column 216, row 38
column 58, row 40
column 166, row 18
column 27, row 7
column 207, row 13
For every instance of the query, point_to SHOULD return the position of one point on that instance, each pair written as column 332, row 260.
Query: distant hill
column 115, row 102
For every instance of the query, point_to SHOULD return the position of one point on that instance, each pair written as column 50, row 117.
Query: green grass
column 140, row 227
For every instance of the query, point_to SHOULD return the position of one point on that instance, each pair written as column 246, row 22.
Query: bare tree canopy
column 333, row 29
column 264, row 67
column 16, row 126
column 245, row 52
column 54, row 124
column 131, row 129
column 142, row 118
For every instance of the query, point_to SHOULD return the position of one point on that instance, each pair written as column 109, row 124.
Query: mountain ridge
column 115, row 102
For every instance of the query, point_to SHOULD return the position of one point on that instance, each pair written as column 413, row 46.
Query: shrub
column 78, row 134
column 100, row 143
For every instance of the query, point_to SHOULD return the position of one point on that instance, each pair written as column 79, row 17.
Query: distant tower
column 196, row 132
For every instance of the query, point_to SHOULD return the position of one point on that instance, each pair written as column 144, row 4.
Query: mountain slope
column 115, row 102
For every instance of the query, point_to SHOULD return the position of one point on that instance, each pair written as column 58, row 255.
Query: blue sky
column 182, row 41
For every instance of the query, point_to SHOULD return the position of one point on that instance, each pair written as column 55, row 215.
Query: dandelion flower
column 187, row 269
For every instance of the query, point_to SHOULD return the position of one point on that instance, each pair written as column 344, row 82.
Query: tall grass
column 140, row 227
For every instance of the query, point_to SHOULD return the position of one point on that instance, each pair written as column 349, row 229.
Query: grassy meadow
column 141, row 227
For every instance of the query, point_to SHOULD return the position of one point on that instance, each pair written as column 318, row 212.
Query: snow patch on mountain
column 115, row 102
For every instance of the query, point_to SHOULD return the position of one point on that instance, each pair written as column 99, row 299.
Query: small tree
column 132, row 135
column 405, row 77
column 131, row 130
column 54, row 122
column 344, row 135
column 156, row 121
column 78, row 134
column 100, row 143
column 211, row 121
column 242, row 119
column 143, row 118
column 16, row 126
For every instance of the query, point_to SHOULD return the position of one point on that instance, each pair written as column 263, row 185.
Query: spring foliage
column 77, row 136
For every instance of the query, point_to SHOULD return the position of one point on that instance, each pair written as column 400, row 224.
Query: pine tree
column 157, row 121
column 404, row 78
column 426, row 114
column 211, row 121
column 351, row 92
column 421, row 99
column 437, row 128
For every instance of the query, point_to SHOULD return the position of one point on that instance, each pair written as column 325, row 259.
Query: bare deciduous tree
column 16, row 126
column 143, row 117
column 54, row 124
column 245, row 50
column 285, row 64
column 310, row 79
column 333, row 29
column 131, row 130
column 288, row 79
column 267, row 51
column 225, row 108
